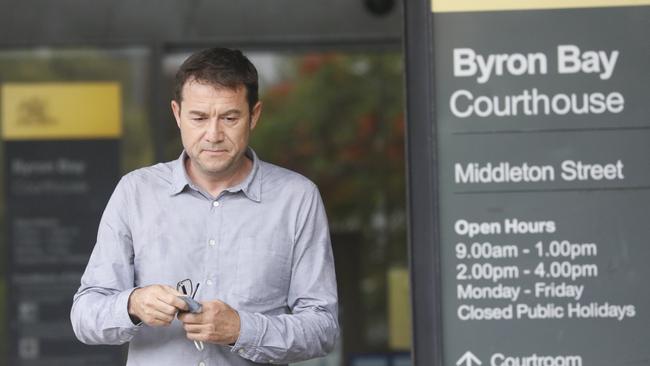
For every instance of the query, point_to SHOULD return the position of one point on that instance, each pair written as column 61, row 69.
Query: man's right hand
column 155, row 305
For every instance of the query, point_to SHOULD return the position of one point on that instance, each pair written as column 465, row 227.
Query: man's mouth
column 214, row 151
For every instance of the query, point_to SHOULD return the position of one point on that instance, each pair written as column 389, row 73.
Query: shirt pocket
column 263, row 272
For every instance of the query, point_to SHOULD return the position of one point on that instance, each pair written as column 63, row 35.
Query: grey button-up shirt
column 262, row 247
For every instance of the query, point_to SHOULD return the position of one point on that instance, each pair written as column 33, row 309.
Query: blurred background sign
column 60, row 111
column 60, row 164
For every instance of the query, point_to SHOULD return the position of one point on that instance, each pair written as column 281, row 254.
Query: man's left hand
column 217, row 323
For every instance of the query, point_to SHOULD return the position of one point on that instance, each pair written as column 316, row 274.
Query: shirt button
column 201, row 363
column 209, row 282
column 241, row 351
column 215, row 203
column 212, row 242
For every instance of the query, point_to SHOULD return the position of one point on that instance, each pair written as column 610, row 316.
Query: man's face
column 215, row 125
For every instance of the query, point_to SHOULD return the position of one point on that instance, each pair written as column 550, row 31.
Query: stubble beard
column 222, row 167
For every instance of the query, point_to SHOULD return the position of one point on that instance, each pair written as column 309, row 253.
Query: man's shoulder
column 157, row 174
column 280, row 177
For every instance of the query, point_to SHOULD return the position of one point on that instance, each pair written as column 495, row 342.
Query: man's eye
column 231, row 119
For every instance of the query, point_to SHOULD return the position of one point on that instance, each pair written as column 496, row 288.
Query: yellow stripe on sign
column 439, row 6
column 57, row 111
column 399, row 309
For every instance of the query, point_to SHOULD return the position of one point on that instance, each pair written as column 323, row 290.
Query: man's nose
column 214, row 130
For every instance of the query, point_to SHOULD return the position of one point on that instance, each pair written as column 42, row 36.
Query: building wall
column 74, row 21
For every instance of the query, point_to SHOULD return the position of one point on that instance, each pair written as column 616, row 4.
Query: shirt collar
column 251, row 186
column 179, row 175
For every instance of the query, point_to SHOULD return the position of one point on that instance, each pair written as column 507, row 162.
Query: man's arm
column 310, row 330
column 99, row 311
column 107, row 309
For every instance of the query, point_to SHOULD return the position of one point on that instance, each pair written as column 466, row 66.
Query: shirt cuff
column 250, row 333
column 121, row 311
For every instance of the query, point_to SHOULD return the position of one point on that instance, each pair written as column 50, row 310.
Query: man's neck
column 215, row 184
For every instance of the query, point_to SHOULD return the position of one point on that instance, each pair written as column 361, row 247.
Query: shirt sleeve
column 311, row 328
column 99, row 312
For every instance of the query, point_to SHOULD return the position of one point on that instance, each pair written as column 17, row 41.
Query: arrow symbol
column 468, row 359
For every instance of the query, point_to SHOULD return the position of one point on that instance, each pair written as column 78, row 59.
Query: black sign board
column 529, row 182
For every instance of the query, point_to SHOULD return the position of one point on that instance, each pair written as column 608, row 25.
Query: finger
column 180, row 304
column 189, row 318
column 165, row 308
column 171, row 290
column 173, row 300
column 194, row 328
column 197, row 337
column 155, row 317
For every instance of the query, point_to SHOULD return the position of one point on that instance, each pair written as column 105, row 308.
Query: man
column 247, row 239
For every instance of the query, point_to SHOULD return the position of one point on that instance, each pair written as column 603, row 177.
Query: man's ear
column 255, row 114
column 176, row 109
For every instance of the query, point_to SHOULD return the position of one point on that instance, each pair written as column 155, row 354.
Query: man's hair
column 220, row 67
